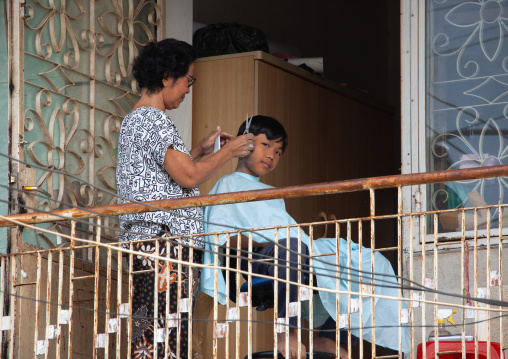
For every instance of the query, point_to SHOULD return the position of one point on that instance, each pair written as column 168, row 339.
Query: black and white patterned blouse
column 145, row 136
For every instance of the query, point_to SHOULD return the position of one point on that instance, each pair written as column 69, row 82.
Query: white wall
column 179, row 26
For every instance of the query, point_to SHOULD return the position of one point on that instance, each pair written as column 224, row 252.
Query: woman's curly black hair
column 168, row 58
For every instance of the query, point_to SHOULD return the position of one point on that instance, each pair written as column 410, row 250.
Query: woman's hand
column 190, row 173
column 205, row 146
column 240, row 146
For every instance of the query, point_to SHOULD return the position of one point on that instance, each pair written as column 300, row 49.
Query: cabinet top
column 297, row 71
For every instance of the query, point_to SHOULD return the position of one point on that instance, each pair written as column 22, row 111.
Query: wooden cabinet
column 335, row 133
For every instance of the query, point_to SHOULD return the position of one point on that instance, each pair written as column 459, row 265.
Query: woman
column 154, row 164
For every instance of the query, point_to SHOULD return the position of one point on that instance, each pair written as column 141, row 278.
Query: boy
column 270, row 142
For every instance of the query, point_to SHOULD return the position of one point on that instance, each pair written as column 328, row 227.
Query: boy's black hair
column 270, row 127
column 158, row 61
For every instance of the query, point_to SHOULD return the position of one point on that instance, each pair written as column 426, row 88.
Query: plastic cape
column 273, row 213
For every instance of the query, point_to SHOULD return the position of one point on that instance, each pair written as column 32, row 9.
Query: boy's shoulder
column 236, row 182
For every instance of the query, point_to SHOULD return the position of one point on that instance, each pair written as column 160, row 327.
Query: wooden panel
column 223, row 95
column 331, row 138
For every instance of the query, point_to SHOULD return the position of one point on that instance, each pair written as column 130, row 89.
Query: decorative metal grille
column 78, row 57
column 467, row 121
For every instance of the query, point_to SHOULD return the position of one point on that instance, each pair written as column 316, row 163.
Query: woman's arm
column 189, row 174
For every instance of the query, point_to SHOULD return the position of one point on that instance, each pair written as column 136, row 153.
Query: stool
column 495, row 350
column 269, row 354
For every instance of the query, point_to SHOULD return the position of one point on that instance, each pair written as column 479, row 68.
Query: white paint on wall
column 179, row 26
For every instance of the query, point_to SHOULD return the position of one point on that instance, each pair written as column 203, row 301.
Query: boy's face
column 263, row 159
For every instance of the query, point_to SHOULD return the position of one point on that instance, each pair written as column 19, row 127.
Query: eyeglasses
column 191, row 80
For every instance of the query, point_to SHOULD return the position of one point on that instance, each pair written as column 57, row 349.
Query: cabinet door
column 331, row 137
column 223, row 96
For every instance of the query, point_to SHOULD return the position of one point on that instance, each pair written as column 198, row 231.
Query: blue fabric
column 273, row 213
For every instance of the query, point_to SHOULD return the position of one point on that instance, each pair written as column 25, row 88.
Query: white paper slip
column 216, row 146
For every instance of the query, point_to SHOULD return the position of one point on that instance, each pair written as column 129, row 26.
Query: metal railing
column 56, row 305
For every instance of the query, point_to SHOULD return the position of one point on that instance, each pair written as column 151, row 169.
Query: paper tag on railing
column 304, row 293
column 64, row 316
column 161, row 335
column 417, row 297
column 494, row 278
column 343, row 320
column 184, row 305
column 404, row 316
column 367, row 288
column 281, row 325
column 52, row 332
column 482, row 292
column 40, row 347
column 429, row 283
column 293, row 309
column 101, row 341
column 243, row 300
column 221, row 330
column 124, row 310
column 231, row 314
column 469, row 313
column 112, row 325
column 355, row 305
column 6, row 323
column 172, row 320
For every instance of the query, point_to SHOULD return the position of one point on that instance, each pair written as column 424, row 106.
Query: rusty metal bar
column 260, row 195
column 168, row 301
column 227, row 261
column 489, row 325
column 475, row 271
column 131, row 293
column 436, row 283
column 96, row 291
column 288, row 245
column 119, row 304
column 360, row 279
column 237, row 290
column 337, row 295
column 156, row 299
column 311, row 298
column 463, row 275
column 500, row 266
column 190, row 295
column 249, row 297
column 12, row 301
column 60, row 303
column 216, row 295
column 108, row 303
column 179, row 302
column 424, row 271
column 71, row 285
column 372, row 267
column 298, row 298
column 411, row 278
column 37, row 304
column 3, row 296
column 349, row 261
column 47, row 320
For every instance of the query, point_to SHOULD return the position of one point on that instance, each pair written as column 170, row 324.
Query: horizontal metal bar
column 386, row 249
column 84, row 277
column 261, row 195
column 23, row 284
